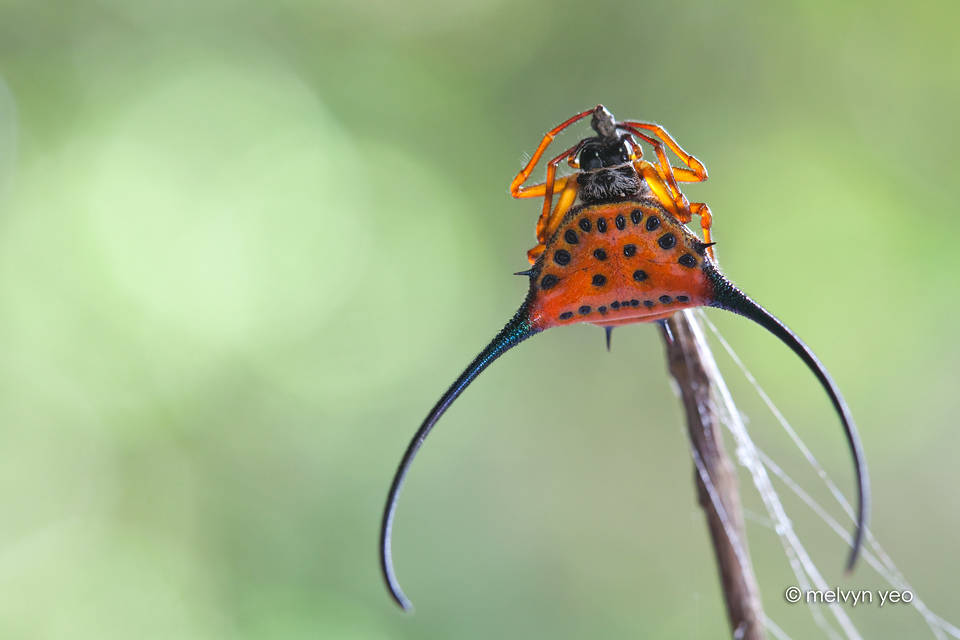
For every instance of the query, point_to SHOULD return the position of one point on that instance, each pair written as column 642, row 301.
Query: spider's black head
column 606, row 173
column 597, row 154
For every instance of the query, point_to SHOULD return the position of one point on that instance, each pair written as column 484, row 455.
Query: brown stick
column 691, row 365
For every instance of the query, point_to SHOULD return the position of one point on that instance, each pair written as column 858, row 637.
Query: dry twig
column 691, row 365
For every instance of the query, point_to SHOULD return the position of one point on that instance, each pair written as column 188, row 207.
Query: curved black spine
column 728, row 296
column 516, row 331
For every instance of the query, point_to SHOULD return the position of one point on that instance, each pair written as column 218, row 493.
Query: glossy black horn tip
column 516, row 331
column 396, row 592
column 729, row 297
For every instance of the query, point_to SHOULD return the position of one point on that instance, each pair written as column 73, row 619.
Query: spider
column 615, row 250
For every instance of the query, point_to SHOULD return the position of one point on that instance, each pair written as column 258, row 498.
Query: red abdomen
column 619, row 263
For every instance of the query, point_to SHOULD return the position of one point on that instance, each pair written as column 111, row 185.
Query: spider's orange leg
column 515, row 187
column 696, row 172
column 547, row 226
column 664, row 169
column 540, row 190
column 651, row 174
column 680, row 206
column 568, row 195
column 666, row 189
column 546, row 189
column 706, row 222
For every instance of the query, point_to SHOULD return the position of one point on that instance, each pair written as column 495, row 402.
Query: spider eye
column 590, row 158
column 615, row 154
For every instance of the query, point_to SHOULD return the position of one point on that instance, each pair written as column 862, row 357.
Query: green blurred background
column 244, row 247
